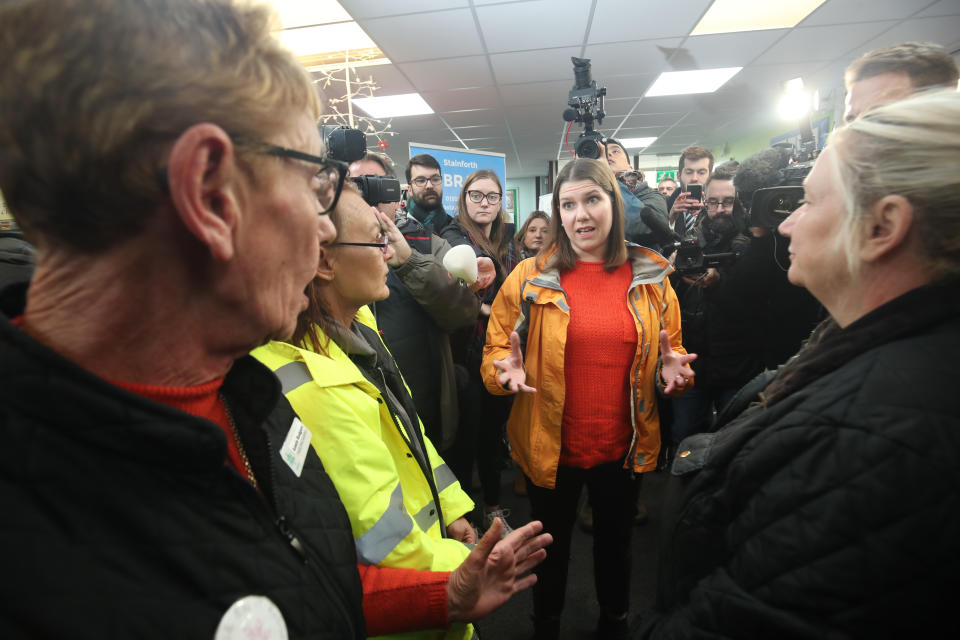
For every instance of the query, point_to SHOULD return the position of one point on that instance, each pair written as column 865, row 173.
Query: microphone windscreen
column 569, row 114
column 461, row 262
column 759, row 171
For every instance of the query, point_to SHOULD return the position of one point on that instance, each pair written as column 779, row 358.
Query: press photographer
column 720, row 308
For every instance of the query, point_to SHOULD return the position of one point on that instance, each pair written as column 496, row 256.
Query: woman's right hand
column 511, row 376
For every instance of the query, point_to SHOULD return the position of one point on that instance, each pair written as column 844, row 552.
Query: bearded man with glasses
column 425, row 201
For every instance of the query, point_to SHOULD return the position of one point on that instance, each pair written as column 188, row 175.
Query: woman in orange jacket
column 587, row 332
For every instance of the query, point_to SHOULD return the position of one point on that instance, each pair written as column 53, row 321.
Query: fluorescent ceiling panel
column 638, row 143
column 673, row 83
column 727, row 16
column 297, row 13
column 405, row 104
column 341, row 36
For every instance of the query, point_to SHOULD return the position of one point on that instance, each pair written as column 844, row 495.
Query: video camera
column 692, row 260
column 586, row 107
column 347, row 144
column 770, row 182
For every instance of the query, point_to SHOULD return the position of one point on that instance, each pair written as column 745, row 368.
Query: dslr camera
column 585, row 105
column 347, row 144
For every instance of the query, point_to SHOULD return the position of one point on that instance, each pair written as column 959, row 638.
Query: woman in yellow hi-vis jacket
column 405, row 506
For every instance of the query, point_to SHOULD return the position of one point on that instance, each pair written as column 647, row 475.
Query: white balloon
column 461, row 262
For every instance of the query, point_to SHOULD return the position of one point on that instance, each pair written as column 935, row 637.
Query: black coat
column 832, row 510
column 121, row 520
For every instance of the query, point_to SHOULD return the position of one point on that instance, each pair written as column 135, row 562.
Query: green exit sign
column 661, row 175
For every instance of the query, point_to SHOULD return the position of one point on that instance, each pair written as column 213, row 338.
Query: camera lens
column 587, row 148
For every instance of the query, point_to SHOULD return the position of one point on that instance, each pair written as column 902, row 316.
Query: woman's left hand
column 461, row 530
column 675, row 369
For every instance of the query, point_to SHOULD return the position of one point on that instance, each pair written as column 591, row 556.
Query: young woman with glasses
column 481, row 223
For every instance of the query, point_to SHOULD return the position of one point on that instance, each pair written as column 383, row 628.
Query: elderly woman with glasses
column 405, row 506
column 826, row 505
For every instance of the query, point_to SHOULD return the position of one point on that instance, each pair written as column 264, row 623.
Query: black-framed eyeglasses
column 332, row 173
column 726, row 202
column 478, row 196
column 381, row 243
column 420, row 181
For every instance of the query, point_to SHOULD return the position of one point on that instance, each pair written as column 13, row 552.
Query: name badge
column 296, row 446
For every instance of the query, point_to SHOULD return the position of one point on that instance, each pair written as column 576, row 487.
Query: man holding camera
column 696, row 165
column 631, row 181
column 424, row 306
column 719, row 310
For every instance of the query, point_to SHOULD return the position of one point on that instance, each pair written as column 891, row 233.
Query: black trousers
column 612, row 492
column 479, row 437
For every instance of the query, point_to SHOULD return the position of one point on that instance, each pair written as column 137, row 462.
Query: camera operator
column 425, row 304
column 696, row 165
column 719, row 312
column 645, row 209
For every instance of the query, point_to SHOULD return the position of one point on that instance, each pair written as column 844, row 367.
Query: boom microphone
column 760, row 170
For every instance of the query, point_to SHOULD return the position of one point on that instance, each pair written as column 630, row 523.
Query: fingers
column 491, row 537
column 522, row 535
column 527, row 389
column 515, row 344
column 531, row 561
column 525, row 582
column 665, row 341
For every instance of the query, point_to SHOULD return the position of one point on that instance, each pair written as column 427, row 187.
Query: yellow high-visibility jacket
column 373, row 463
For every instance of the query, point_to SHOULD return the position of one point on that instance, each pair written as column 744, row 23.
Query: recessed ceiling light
column 673, row 83
column 297, row 13
column 728, row 16
column 341, row 36
column 405, row 104
column 637, row 143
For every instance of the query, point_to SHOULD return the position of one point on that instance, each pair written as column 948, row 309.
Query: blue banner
column 457, row 164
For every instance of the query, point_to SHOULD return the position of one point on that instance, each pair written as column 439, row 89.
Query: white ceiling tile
column 531, row 93
column 452, row 73
column 473, row 117
column 629, row 58
column 507, row 27
column 462, row 99
column 527, row 66
column 942, row 8
column 629, row 86
column 845, row 11
column 810, row 44
column 426, row 36
column 943, row 30
column 616, row 20
column 727, row 49
column 360, row 9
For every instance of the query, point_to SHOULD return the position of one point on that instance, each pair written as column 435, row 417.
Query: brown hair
column 522, row 233
column 94, row 92
column 498, row 242
column 695, row 153
column 925, row 63
column 316, row 316
column 600, row 174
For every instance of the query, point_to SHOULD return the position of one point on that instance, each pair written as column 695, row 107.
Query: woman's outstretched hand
column 512, row 376
column 675, row 367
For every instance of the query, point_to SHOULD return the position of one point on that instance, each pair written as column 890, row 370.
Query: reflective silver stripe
column 293, row 375
column 426, row 516
column 444, row 477
column 392, row 527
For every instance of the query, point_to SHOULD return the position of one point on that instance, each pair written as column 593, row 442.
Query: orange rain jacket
column 532, row 303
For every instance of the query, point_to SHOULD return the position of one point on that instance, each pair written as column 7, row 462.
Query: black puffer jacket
column 120, row 519
column 834, row 510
